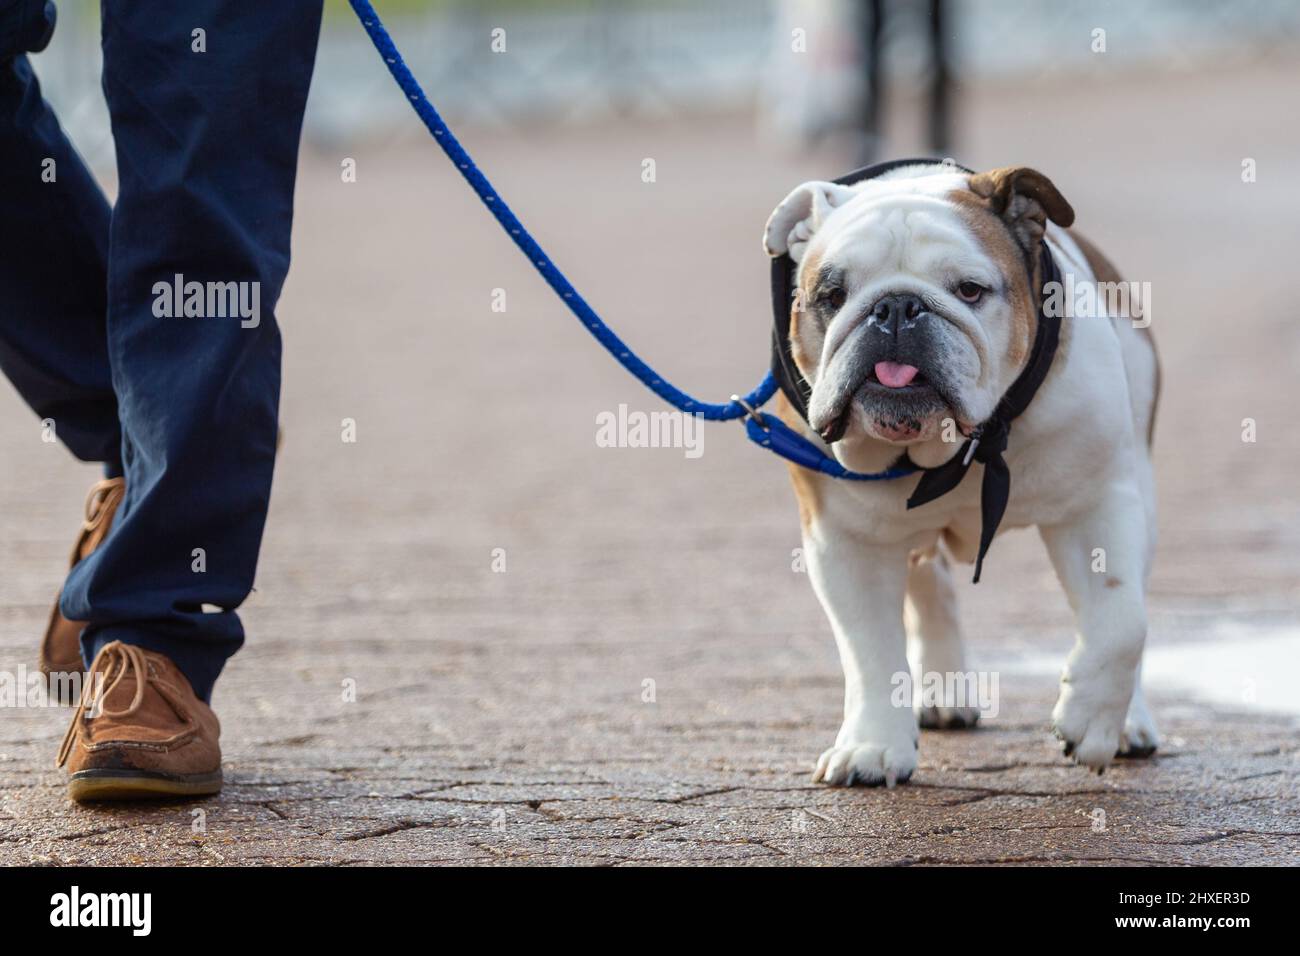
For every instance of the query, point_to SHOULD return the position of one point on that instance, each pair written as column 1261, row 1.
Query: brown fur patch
column 1001, row 187
column 808, row 270
column 962, row 549
column 807, row 484
column 809, row 265
column 796, row 347
column 997, row 240
column 1103, row 270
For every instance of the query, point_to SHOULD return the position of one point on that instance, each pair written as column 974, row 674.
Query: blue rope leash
column 765, row 430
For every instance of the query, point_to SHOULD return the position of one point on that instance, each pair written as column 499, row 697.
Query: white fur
column 1080, row 472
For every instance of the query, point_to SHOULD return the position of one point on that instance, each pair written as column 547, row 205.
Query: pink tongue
column 894, row 375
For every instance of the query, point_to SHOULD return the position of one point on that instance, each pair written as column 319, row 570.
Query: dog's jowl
column 919, row 329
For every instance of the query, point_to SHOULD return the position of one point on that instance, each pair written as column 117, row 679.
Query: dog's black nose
column 896, row 312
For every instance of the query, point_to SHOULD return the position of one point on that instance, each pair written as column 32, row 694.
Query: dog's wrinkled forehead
column 917, row 235
column 904, row 223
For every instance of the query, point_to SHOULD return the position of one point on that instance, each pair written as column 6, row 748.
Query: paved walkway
column 500, row 716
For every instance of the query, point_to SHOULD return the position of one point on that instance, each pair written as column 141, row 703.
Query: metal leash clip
column 751, row 412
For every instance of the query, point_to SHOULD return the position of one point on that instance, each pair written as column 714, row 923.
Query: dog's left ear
column 1025, row 199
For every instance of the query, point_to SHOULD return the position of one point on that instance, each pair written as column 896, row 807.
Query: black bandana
column 989, row 440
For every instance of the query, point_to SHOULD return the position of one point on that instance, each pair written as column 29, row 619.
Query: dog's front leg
column 861, row 588
column 1100, row 560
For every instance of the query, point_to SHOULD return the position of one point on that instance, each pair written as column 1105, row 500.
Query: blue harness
column 763, row 428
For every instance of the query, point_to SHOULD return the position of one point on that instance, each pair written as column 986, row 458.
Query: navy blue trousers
column 184, row 405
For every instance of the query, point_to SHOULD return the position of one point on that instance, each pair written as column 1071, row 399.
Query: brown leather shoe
column 140, row 731
column 61, row 646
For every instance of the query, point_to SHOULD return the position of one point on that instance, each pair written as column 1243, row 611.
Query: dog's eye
column 835, row 297
column 970, row 291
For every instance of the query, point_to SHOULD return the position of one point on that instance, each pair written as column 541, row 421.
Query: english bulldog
column 915, row 308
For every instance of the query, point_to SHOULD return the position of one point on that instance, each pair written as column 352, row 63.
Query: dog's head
column 914, row 302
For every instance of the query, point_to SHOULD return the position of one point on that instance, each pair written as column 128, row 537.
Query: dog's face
column 915, row 302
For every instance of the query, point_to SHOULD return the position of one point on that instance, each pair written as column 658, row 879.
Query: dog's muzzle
column 888, row 361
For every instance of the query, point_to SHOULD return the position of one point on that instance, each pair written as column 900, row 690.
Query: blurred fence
column 567, row 61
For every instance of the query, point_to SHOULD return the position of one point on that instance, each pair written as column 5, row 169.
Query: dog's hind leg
column 940, row 683
column 1140, row 738
column 1101, row 561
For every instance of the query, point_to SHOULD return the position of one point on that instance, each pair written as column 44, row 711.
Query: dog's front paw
column 1089, row 721
column 870, row 759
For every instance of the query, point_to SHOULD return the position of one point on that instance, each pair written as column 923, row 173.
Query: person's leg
column 206, row 100
column 53, row 273
column 872, row 23
column 940, row 79
column 53, row 278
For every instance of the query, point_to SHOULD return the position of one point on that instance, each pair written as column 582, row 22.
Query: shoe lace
column 102, row 501
column 118, row 660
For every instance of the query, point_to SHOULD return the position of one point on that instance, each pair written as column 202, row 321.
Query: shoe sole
column 91, row 785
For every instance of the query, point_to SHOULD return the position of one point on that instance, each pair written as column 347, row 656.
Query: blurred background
column 806, row 70
column 1170, row 126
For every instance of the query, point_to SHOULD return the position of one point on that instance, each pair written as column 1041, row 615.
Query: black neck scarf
column 988, row 441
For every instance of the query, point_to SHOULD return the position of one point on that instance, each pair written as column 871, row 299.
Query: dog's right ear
column 801, row 214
